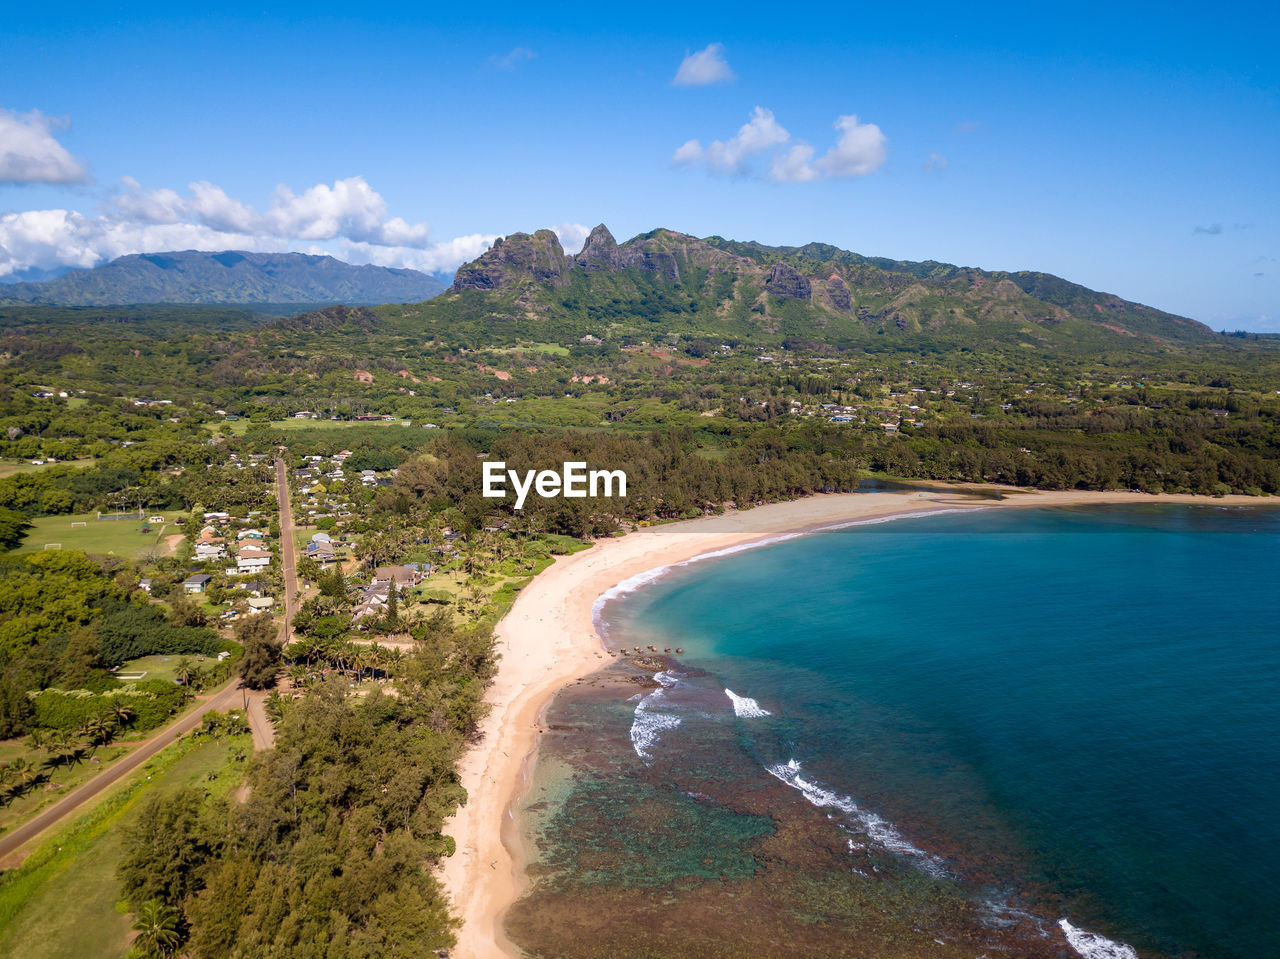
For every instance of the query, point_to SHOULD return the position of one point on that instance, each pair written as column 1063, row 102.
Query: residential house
column 209, row 535
column 251, row 559
column 402, row 576
column 205, row 552
column 376, row 599
column 197, row 583
column 322, row 552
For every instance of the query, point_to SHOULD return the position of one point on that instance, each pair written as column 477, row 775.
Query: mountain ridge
column 226, row 277
column 808, row 290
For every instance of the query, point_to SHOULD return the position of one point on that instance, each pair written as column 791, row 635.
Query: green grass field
column 123, row 537
column 162, row 667
column 240, row 427
column 552, row 349
column 10, row 467
column 66, row 900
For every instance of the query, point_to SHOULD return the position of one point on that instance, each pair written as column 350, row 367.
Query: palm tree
column 65, row 749
column 184, row 672
column 26, row 772
column 98, row 731
column 300, row 651
column 199, row 678
column 122, row 714
column 158, row 936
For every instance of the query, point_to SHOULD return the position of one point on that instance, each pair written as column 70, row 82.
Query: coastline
column 549, row 639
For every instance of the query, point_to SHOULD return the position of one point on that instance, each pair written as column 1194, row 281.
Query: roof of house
column 401, row 574
column 199, row 579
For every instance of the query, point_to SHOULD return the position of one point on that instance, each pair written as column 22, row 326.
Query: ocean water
column 1043, row 732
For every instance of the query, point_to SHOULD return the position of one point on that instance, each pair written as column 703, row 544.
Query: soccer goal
column 79, row 523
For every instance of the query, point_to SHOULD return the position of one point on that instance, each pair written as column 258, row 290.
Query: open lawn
column 551, row 349
column 161, row 667
column 65, row 900
column 122, row 537
column 10, row 467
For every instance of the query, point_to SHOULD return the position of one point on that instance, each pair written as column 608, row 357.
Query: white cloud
column 703, row 68
column 509, row 61
column 859, row 150
column 30, row 153
column 437, row 258
column 935, row 164
column 347, row 218
column 573, row 236
column 689, row 152
column 758, row 135
column 794, row 166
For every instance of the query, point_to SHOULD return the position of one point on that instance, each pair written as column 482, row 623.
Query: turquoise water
column 1069, row 713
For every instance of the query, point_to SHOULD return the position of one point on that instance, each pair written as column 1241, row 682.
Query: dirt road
column 288, row 560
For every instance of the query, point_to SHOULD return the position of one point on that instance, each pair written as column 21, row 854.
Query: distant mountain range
column 230, row 277
column 815, row 293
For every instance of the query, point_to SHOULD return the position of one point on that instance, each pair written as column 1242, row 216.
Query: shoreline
column 549, row 638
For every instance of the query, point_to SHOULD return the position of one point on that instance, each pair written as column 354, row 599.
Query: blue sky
column 1130, row 147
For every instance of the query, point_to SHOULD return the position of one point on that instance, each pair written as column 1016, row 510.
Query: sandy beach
column 548, row 640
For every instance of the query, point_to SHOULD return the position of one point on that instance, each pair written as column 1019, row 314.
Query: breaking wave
column 1091, row 945
column 745, row 707
column 651, row 720
column 878, row 829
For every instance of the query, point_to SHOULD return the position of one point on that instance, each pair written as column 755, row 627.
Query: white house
column 250, row 559
column 210, row 551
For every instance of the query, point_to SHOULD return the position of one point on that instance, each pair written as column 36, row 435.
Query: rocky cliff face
column 600, row 253
column 520, row 256
column 786, row 281
column 838, row 292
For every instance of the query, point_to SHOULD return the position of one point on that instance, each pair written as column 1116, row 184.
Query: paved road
column 229, row 697
column 287, row 559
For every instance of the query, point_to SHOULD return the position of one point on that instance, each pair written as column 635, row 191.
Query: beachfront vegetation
column 330, row 854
